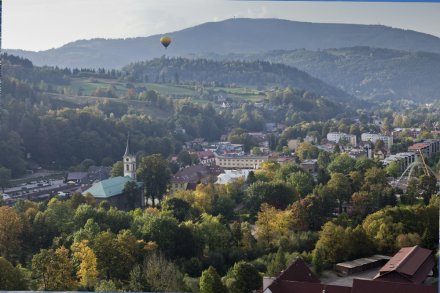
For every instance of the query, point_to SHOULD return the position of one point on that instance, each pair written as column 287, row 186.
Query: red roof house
column 409, row 265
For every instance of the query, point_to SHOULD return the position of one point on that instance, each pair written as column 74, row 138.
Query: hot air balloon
column 165, row 41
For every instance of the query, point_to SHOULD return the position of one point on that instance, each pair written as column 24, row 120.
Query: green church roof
column 110, row 187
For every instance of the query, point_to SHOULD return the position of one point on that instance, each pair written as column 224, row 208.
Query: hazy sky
column 45, row 24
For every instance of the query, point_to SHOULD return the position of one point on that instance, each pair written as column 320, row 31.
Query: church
column 112, row 189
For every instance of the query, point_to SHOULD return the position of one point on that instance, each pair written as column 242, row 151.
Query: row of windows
column 240, row 160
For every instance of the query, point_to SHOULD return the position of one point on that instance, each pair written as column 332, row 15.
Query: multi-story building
column 404, row 160
column 373, row 137
column 206, row 157
column 428, row 147
column 240, row 162
column 338, row 136
column 413, row 132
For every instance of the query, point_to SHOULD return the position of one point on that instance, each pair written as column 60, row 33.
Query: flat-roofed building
column 404, row 160
column 240, row 162
column 361, row 264
column 413, row 132
column 338, row 136
column 373, row 137
column 434, row 145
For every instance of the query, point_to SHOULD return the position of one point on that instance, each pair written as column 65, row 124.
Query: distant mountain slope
column 232, row 36
column 255, row 74
column 366, row 72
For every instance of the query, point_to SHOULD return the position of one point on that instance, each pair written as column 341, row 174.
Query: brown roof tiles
column 410, row 264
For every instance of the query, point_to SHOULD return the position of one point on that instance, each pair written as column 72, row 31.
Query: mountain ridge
column 240, row 35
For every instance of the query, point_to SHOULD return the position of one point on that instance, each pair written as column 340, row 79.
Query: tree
column 277, row 194
column 11, row 227
column 407, row 240
column 118, row 169
column 428, row 186
column 184, row 158
column 375, row 176
column 133, row 193
column 285, row 170
column 137, row 282
column 251, row 178
column 160, row 228
column 243, row 277
column 393, row 169
column 337, row 148
column 385, row 225
column 363, row 164
column 379, row 145
column 307, row 151
column 178, row 207
column 411, row 193
column 53, row 270
column 256, row 151
column 113, row 261
column 88, row 272
column 153, row 171
column 278, row 264
column 340, row 187
column 324, row 160
column 11, row 278
column 302, row 182
column 272, row 224
column 332, row 246
column 210, row 282
column 214, row 235
column 363, row 203
column 162, row 275
column 106, row 286
column 342, row 164
column 5, row 176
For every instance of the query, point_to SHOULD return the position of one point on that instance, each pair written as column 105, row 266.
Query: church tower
column 129, row 160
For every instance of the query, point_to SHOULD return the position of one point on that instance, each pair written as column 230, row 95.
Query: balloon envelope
column 165, row 41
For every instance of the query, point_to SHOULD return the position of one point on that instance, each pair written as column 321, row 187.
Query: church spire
column 127, row 148
column 129, row 160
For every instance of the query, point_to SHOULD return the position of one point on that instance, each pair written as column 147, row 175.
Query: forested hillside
column 365, row 72
column 257, row 74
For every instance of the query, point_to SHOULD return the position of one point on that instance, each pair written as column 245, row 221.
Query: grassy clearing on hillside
column 88, row 86
column 138, row 106
column 171, row 89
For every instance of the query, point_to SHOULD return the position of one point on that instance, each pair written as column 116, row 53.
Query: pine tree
column 278, row 264
column 210, row 282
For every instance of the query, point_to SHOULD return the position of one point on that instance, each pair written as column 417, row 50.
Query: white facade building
column 338, row 136
column 373, row 137
column 240, row 162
